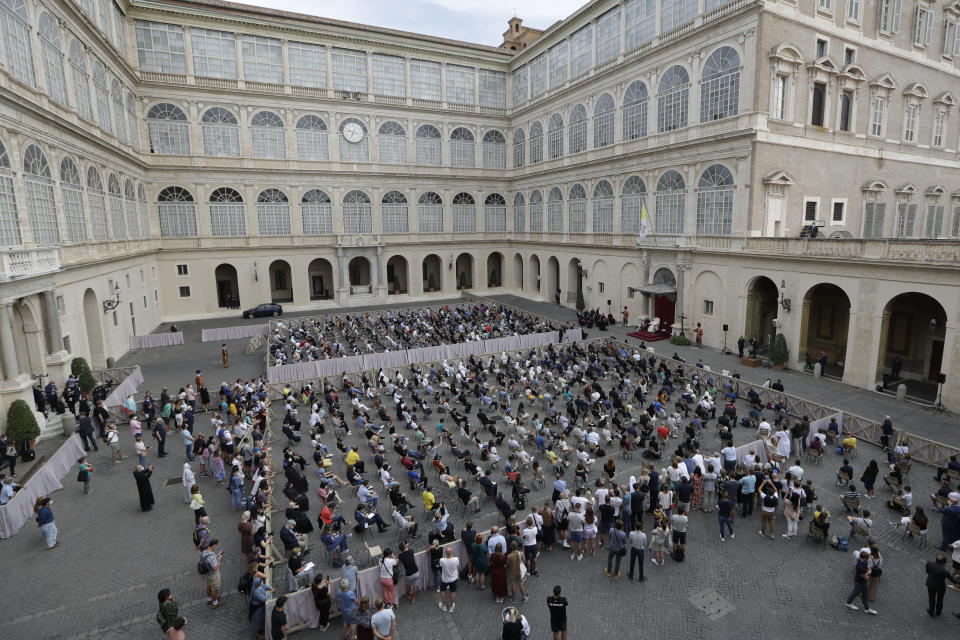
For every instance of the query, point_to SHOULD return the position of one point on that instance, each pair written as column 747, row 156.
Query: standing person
column 436, row 554
column 791, row 512
column 616, row 548
column 412, row 571
column 388, row 562
column 514, row 560
column 529, row 534
column 679, row 524
column 498, row 573
column 100, row 417
column 768, row 506
column 937, row 576
column 210, row 558
column 224, row 355
column 861, row 573
column 383, row 622
column 709, row 490
column 141, row 448
column 661, row 534
column 175, row 632
column 725, row 515
column 348, row 608
column 113, row 439
column 449, row 574
column 869, row 477
column 46, row 523
column 320, row 588
column 741, row 343
column 187, row 479
column 557, row 605
column 85, row 429
column 160, row 434
column 638, row 546
column 278, row 620
column 142, row 476
column 84, row 474
column 481, row 561
column 575, row 523
column 169, row 610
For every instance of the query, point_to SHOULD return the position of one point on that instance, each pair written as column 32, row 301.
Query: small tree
column 431, row 281
column 779, row 352
column 87, row 381
column 463, row 280
column 581, row 303
column 77, row 365
column 21, row 423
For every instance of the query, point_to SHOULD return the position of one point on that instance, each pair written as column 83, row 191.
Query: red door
column 663, row 308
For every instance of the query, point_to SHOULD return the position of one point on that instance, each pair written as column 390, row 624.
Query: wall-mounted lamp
column 784, row 300
column 450, row 263
column 255, row 276
column 114, row 302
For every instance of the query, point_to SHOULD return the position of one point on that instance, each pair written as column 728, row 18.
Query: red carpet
column 647, row 337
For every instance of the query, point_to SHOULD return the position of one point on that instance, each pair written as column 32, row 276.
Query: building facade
column 183, row 159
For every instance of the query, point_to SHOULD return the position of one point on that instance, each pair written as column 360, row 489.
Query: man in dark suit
column 937, row 576
column 85, row 429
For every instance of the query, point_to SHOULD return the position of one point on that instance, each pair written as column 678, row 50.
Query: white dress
column 188, row 481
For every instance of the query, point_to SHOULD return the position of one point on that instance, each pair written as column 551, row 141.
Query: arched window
column 144, row 215
column 81, row 80
column 119, row 117
column 494, row 150
column 71, row 193
column 428, row 146
column 392, row 143
column 15, row 29
column 672, row 98
column 358, row 150
column 519, row 213
column 635, row 111
column 461, row 148
column 221, row 135
column 102, row 96
column 178, row 213
column 555, row 211
column 357, row 213
column 603, row 114
column 536, row 212
column 118, row 225
column 267, row 135
column 228, row 218
column 671, row 199
column 577, row 210
column 430, row 212
column 464, row 214
column 41, row 204
column 317, row 212
column 312, row 138
column 720, row 85
column 97, row 204
column 536, row 143
column 715, row 201
column 52, row 58
column 495, row 213
column 603, row 207
column 577, row 142
column 555, row 137
column 519, row 148
column 393, row 213
column 132, row 128
column 632, row 204
column 168, row 130
column 130, row 204
column 9, row 221
column 273, row 213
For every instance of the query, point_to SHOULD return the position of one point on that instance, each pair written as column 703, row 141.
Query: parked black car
column 263, row 310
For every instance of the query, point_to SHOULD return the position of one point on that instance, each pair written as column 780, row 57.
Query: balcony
column 16, row 264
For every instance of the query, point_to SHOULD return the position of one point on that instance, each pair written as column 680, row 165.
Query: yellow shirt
column 353, row 457
column 428, row 500
column 552, row 457
column 850, row 442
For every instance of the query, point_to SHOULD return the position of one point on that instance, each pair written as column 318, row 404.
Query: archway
column 464, row 269
column 762, row 295
column 518, row 272
column 281, row 281
column 664, row 296
column 552, row 287
column 535, row 274
column 397, row 279
column 911, row 343
column 320, row 275
column 359, row 269
column 91, row 318
column 228, row 286
column 824, row 324
column 432, row 274
column 495, row 269
column 574, row 280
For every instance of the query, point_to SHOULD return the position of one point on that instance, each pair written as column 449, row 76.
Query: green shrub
column 779, row 353
column 581, row 303
column 683, row 341
column 21, row 423
column 77, row 365
column 431, row 281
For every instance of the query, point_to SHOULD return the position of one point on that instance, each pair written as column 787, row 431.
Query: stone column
column 380, row 289
column 344, row 275
column 8, row 350
column 680, row 300
column 53, row 323
column 646, row 299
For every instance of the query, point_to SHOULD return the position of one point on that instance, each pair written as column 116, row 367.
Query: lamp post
column 784, row 300
column 114, row 302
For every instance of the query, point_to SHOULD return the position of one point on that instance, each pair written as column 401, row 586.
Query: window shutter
column 947, row 37
column 917, row 25
column 931, row 212
column 931, row 17
column 956, row 40
column 955, row 231
column 868, row 214
column 837, row 212
column 897, row 7
column 878, row 218
column 938, row 222
column 910, row 222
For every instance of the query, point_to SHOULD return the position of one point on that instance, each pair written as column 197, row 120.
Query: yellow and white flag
column 643, row 220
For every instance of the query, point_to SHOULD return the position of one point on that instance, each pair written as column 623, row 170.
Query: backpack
column 196, row 538
column 202, row 567
column 842, row 543
column 678, row 555
column 245, row 584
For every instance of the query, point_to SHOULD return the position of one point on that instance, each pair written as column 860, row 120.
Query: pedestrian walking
column 45, row 522
column 860, row 576
column 83, row 475
column 557, row 605
column 142, row 476
column 937, row 576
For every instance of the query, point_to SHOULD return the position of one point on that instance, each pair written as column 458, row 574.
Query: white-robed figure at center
column 188, row 480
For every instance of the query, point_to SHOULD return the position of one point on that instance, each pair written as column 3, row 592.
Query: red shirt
column 663, row 432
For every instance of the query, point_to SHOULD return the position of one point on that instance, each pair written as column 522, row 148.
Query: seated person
column 919, row 519
column 821, row 519
column 489, row 486
column 296, row 565
column 405, row 522
column 366, row 518
column 441, row 527
column 952, row 465
column 367, row 495
column 504, row 507
column 326, row 518
column 354, row 478
column 816, row 445
column 849, row 443
column 399, row 499
column 467, row 498
column 852, row 495
column 333, row 541
column 416, row 480
column 863, row 521
column 353, row 460
column 845, row 468
column 429, row 500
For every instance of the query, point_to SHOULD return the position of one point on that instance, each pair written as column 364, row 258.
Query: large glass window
column 132, row 127
column 214, row 53
column 674, row 13
column 273, row 213
column 9, row 221
column 102, row 95
column 555, row 211
column 672, row 99
column 878, row 112
column 312, row 142
column 144, row 215
column 350, row 70
column 873, row 219
column 632, row 202
column 160, row 47
column 577, row 210
column 558, row 64
column 519, row 148
column 715, row 201
column 603, row 124
column 493, row 88
column 393, row 143
column 393, row 213
column 354, row 151
column 635, row 111
column 267, row 135
column 118, row 224
column 538, row 75
column 495, row 213
column 640, row 17
column 536, row 212
column 168, row 130
column 81, row 80
column 577, row 142
column 425, row 80
column 464, row 213
column 460, row 89
column 521, row 86
column 178, row 213
column 608, row 35
column 910, row 123
column 536, row 143
column 52, row 58
column 494, row 150
column 130, row 204
column 357, row 213
column 429, row 146
column 262, row 59
column 581, row 51
column 97, row 204
column 71, row 192
column 120, row 122
column 461, row 148
column 389, row 76
column 308, row 64
column 317, row 211
column 555, row 137
column 430, row 212
column 15, row 29
column 41, row 204
column 519, row 214
column 720, row 85
column 603, row 207
column 221, row 135
column 671, row 200
column 228, row 218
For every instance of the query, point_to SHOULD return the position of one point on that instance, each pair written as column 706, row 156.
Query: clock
column 353, row 132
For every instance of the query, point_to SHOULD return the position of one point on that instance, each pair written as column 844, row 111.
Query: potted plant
column 22, row 427
column 431, row 283
column 80, row 368
column 779, row 352
column 581, row 303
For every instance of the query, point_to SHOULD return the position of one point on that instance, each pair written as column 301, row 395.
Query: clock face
column 353, row 132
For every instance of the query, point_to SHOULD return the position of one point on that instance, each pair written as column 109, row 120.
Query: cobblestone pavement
column 103, row 579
